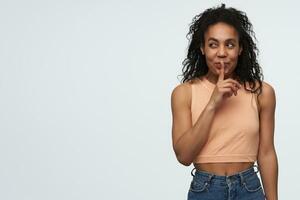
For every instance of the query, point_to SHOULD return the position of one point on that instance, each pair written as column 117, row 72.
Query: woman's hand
column 224, row 88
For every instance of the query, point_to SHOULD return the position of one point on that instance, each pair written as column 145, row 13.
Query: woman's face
column 221, row 44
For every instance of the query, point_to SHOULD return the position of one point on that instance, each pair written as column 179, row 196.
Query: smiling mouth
column 218, row 65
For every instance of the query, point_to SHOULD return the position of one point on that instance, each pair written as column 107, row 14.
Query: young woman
column 223, row 111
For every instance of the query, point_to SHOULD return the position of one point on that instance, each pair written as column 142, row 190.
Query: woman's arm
column 188, row 140
column 267, row 158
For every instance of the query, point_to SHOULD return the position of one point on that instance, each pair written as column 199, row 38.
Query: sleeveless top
column 234, row 132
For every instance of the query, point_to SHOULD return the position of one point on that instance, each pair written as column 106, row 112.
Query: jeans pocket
column 252, row 183
column 198, row 186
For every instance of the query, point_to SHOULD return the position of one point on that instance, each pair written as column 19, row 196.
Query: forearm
column 268, row 166
column 192, row 141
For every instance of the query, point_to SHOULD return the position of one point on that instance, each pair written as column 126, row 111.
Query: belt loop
column 210, row 177
column 257, row 167
column 192, row 172
column 242, row 178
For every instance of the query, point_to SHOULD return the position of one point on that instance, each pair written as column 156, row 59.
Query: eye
column 212, row 45
column 230, row 45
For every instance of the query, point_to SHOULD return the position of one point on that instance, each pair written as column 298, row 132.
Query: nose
column 222, row 51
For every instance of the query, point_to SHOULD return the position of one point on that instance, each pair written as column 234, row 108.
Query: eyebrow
column 214, row 39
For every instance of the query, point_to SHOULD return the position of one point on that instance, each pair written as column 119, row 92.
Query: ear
column 240, row 51
column 202, row 50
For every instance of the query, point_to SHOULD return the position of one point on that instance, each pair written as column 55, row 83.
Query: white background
column 85, row 95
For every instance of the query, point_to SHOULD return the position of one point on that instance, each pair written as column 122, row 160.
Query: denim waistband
column 209, row 175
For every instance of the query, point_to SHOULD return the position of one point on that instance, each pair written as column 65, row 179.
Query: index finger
column 221, row 72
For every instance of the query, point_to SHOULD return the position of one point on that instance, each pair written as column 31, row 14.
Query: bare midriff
column 223, row 169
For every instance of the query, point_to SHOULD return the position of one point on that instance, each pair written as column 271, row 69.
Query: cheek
column 210, row 56
column 234, row 54
column 234, row 58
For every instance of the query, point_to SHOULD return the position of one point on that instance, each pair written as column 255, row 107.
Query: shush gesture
column 224, row 88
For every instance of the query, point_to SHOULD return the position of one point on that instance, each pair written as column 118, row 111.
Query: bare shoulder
column 268, row 90
column 267, row 98
column 181, row 94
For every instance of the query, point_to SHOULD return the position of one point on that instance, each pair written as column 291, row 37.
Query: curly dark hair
column 247, row 69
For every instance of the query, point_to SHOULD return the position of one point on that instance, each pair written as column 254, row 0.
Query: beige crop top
column 234, row 133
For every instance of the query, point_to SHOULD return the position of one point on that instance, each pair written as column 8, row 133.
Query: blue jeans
column 244, row 185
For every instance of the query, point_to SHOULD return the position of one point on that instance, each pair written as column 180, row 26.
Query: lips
column 218, row 64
